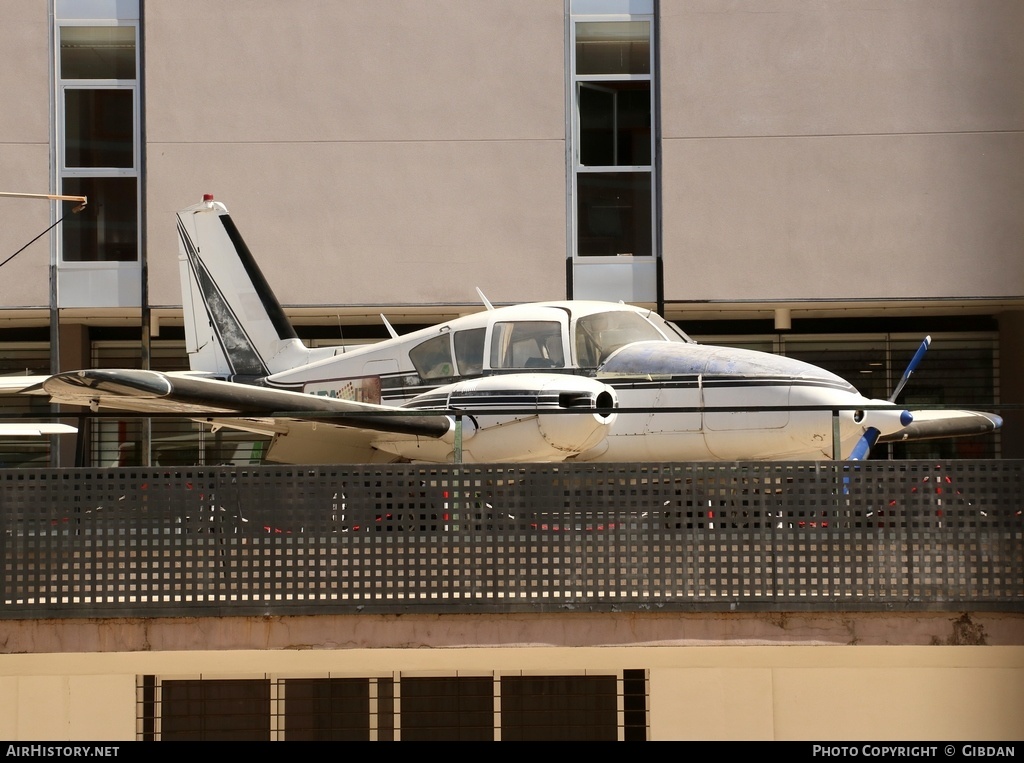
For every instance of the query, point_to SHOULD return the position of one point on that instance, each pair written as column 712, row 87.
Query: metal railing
column 178, row 444
column 871, row 535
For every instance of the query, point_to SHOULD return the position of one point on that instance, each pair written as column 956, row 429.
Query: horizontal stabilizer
column 35, row 429
column 23, row 385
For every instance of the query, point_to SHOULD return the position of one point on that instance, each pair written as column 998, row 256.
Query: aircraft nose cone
column 906, row 418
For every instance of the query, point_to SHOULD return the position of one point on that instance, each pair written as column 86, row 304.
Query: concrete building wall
column 25, row 153
column 772, row 676
column 370, row 154
column 810, row 152
column 828, row 693
column 845, row 151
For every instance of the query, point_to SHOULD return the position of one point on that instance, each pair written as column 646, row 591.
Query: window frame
column 63, row 172
column 578, row 82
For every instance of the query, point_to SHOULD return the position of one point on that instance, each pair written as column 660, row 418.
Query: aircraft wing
column 197, row 395
column 935, row 424
column 307, row 428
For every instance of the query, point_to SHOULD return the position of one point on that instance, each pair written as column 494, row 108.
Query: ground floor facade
column 717, row 676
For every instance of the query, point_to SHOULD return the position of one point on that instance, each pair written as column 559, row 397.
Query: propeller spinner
column 867, row 441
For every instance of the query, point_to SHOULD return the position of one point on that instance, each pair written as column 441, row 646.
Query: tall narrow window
column 613, row 167
column 98, row 108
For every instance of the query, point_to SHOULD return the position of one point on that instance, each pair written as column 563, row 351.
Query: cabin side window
column 527, row 344
column 469, row 351
column 433, row 358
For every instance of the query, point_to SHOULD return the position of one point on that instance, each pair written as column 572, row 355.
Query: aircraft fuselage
column 701, row 402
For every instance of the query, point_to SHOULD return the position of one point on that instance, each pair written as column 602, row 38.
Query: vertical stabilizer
column 234, row 325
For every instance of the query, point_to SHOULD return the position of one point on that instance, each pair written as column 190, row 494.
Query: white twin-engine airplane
column 544, row 382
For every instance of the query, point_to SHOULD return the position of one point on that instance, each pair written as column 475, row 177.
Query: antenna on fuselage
column 487, row 302
column 390, row 328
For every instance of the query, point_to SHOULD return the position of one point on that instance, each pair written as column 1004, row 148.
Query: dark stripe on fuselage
column 399, row 394
column 496, row 399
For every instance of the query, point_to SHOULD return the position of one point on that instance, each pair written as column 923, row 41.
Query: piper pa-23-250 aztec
column 543, row 382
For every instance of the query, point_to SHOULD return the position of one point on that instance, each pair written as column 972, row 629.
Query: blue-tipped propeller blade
column 864, row 445
column 911, row 367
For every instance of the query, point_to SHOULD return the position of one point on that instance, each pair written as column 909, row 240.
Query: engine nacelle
column 513, row 417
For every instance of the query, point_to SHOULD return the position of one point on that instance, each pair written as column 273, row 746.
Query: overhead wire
column 31, row 242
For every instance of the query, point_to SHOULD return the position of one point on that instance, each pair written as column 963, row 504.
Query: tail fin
column 234, row 325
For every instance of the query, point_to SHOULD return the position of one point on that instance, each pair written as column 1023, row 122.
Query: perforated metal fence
column 874, row 535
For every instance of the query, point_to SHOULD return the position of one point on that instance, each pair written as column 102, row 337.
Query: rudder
column 234, row 324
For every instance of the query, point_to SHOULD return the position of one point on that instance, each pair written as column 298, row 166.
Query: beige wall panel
column 844, row 217
column 25, row 152
column 68, row 706
column 43, row 703
column 101, row 707
column 25, row 87
column 25, row 168
column 711, row 704
column 901, row 703
column 363, row 70
column 9, row 707
column 802, row 67
column 375, row 223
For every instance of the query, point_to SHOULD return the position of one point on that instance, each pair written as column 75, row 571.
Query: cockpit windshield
column 669, row 329
column 601, row 334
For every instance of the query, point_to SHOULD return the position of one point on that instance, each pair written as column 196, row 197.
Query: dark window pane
column 469, row 351
column 447, row 709
column 634, row 705
column 106, row 52
column 597, row 126
column 385, row 710
column 559, row 708
column 433, row 358
column 107, row 229
column 634, row 124
column 327, row 709
column 615, row 124
column 228, row 710
column 614, row 213
column 98, row 128
column 149, row 710
column 613, row 47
